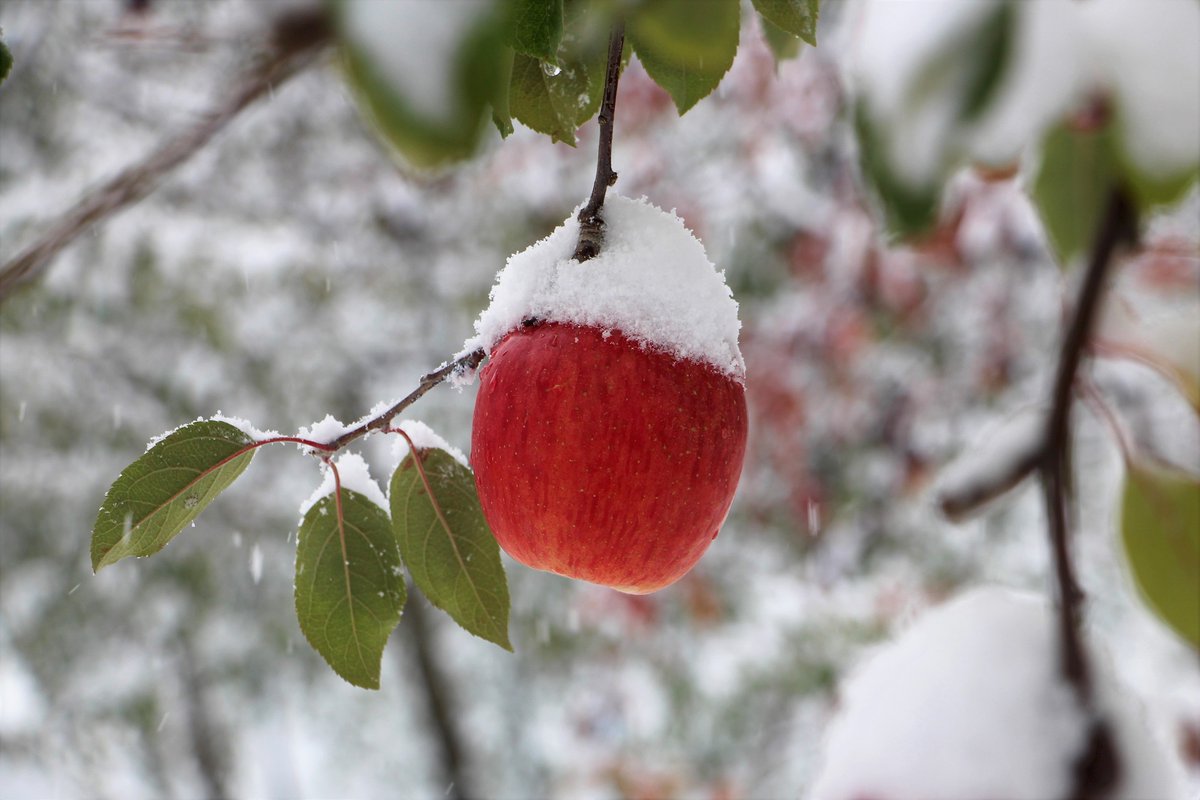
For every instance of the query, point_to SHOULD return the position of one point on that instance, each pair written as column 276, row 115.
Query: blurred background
column 293, row 269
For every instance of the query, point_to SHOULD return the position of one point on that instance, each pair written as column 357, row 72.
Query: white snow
column 969, row 703
column 324, row 431
column 423, row 438
column 910, row 66
column 1044, row 77
column 257, row 434
column 416, row 45
column 896, row 46
column 651, row 280
column 1149, row 54
column 355, row 476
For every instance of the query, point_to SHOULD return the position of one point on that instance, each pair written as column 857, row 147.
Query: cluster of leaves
column 1085, row 157
column 350, row 552
column 542, row 63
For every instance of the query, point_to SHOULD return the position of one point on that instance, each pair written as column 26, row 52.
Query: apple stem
column 591, row 226
column 1097, row 768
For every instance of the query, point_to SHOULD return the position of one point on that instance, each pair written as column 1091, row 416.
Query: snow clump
column 355, row 476
column 651, row 281
column 423, row 438
column 969, row 704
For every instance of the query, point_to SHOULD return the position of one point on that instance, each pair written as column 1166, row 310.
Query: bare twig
column 461, row 364
column 1097, row 769
column 591, row 225
column 297, row 38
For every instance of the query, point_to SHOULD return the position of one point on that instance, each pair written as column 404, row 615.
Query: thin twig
column 296, row 39
column 461, row 364
column 591, row 225
column 1097, row 769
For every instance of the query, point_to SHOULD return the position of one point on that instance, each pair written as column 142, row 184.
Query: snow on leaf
column 349, row 586
column 158, row 495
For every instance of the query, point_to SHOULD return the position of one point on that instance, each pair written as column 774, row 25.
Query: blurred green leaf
column 1077, row 173
column 501, row 113
column 1160, row 529
column 446, row 543
column 783, row 44
column 473, row 70
column 155, row 497
column 555, row 104
column 686, row 46
column 797, row 17
column 537, row 28
column 907, row 210
column 349, row 584
column 6, row 61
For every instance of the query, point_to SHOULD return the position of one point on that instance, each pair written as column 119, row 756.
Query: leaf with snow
column 926, row 72
column 1160, row 530
column 1073, row 184
column 686, row 46
column 797, row 17
column 425, row 72
column 155, row 497
column 446, row 543
column 537, row 28
column 349, row 584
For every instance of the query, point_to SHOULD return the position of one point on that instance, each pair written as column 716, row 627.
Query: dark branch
column 1097, row 768
column 591, row 225
column 296, row 39
column 461, row 364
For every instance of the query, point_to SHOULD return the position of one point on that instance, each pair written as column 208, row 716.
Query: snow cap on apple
column 610, row 425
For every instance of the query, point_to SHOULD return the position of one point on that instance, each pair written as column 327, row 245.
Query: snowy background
column 293, row 270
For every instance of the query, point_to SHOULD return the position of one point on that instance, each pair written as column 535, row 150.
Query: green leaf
column 686, row 46
column 537, row 28
column 907, row 210
column 6, row 61
column 349, row 584
column 426, row 133
column 446, row 543
column 797, row 17
column 1160, row 528
column 555, row 104
column 1077, row 173
column 501, row 113
column 155, row 497
column 783, row 44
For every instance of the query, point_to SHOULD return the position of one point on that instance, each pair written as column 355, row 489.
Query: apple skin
column 602, row 460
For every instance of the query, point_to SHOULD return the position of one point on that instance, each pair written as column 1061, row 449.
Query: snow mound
column 355, row 476
column 969, row 703
column 423, row 438
column 652, row 281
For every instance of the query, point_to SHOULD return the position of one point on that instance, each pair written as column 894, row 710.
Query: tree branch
column 296, row 39
column 463, row 363
column 591, row 226
column 1097, row 769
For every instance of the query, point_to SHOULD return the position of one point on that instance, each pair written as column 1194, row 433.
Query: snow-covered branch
column 296, row 39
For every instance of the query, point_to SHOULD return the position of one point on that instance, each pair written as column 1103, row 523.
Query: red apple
column 599, row 459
